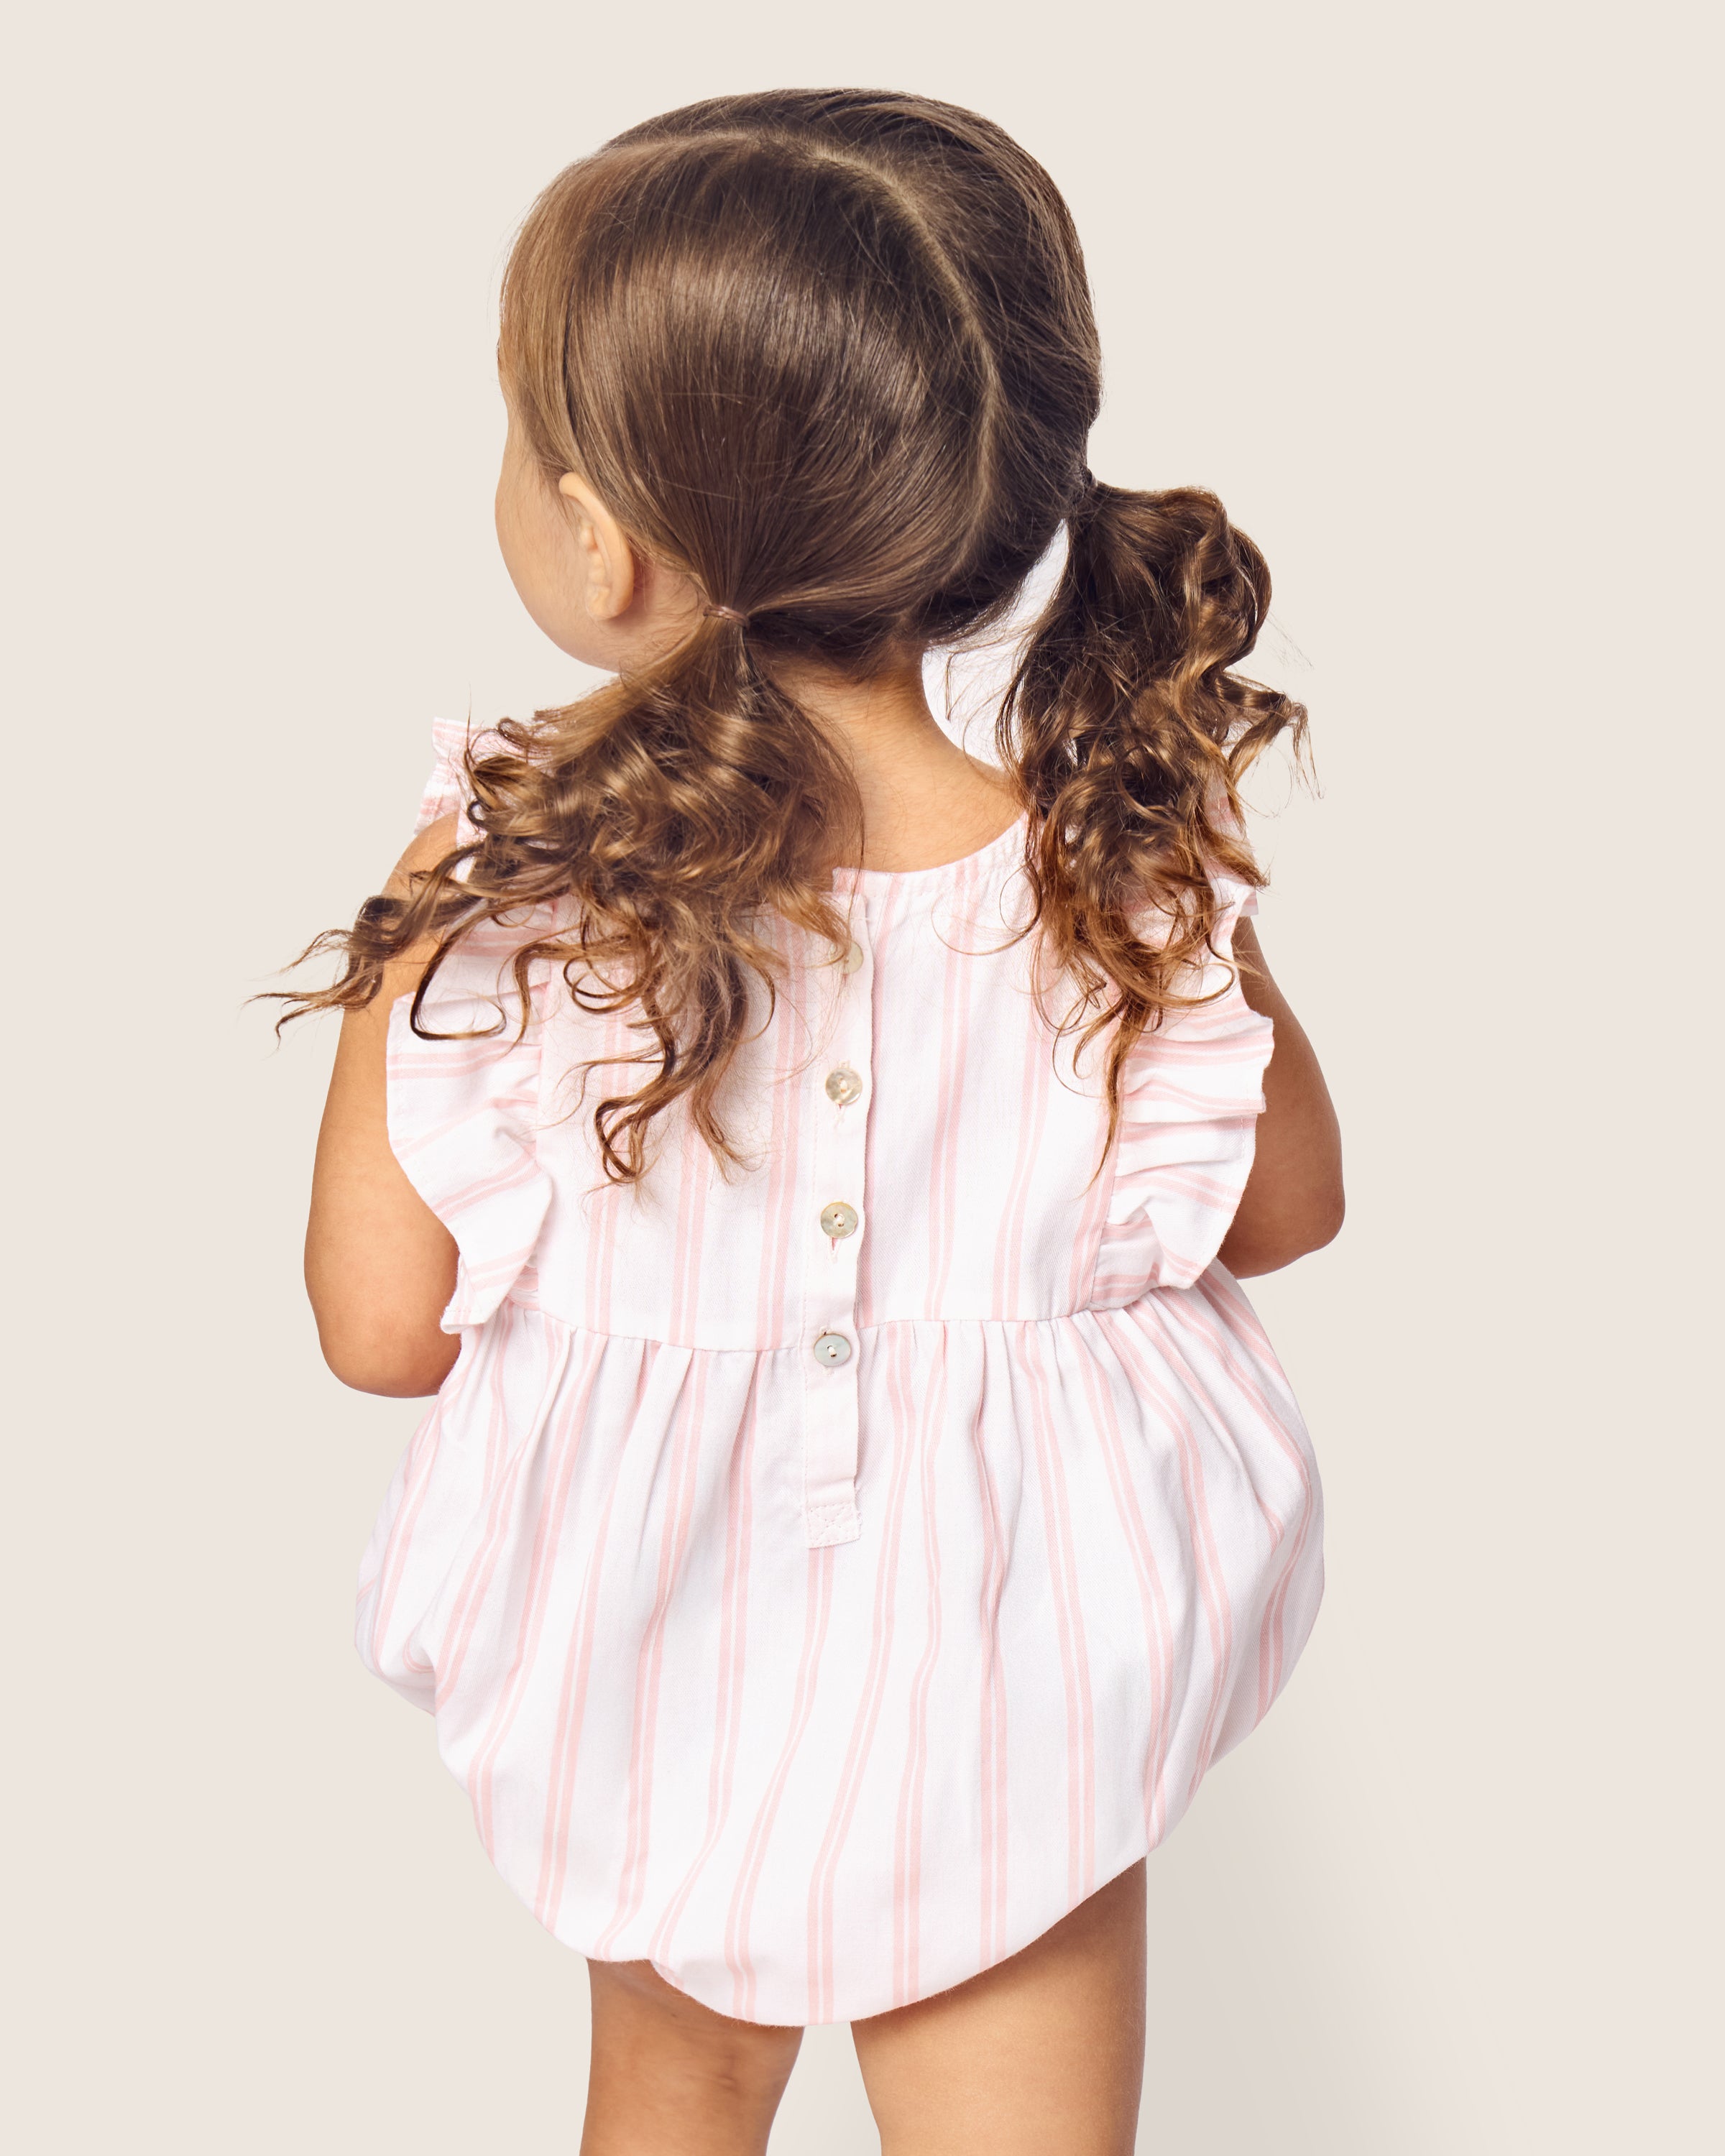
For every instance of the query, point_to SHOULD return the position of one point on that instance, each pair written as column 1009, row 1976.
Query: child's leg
column 672, row 2078
column 1045, row 2051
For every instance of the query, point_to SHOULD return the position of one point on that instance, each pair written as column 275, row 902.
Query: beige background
column 1418, row 291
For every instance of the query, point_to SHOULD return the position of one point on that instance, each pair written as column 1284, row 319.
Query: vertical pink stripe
column 1069, row 1621
column 476, row 1586
column 1087, row 1242
column 497, row 1423
column 577, row 1671
column 674, row 1536
column 566, row 1449
column 696, row 1173
column 823, row 1884
column 907, row 1850
column 604, row 1205
column 882, row 1017
column 818, row 1601
column 1179, row 1369
column 418, row 1473
column 1152, row 1600
column 1271, row 1640
column 1009, row 1251
column 733, row 1629
column 958, row 973
column 418, row 1470
column 775, row 1323
column 992, row 1745
column 1213, row 1586
column 1232, row 1308
column 1208, row 1310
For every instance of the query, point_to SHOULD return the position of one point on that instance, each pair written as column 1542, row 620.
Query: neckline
column 1011, row 839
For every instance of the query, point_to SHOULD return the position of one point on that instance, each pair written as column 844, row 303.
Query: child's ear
column 605, row 554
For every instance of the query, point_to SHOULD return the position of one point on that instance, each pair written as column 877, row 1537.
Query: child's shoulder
column 431, row 843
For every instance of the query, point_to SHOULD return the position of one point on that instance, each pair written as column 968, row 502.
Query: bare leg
column 672, row 2078
column 1043, row 2052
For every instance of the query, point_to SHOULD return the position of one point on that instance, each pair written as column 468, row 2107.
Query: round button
column 852, row 959
column 843, row 1086
column 838, row 1219
column 832, row 1349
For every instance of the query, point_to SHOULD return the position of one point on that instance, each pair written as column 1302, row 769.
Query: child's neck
column 924, row 801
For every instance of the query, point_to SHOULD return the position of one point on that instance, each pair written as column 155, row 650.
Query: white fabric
column 825, row 1683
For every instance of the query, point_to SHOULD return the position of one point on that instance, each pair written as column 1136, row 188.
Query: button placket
column 830, row 1231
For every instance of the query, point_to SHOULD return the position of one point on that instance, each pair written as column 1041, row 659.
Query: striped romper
column 825, row 1576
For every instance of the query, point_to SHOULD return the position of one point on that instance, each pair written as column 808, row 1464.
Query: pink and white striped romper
column 825, row 1578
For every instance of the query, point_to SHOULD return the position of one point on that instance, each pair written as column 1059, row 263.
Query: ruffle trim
column 1191, row 1095
column 463, row 1112
column 446, row 789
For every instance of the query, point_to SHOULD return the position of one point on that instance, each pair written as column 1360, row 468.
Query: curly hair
column 830, row 354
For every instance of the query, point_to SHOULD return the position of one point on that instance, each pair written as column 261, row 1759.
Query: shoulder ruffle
column 446, row 789
column 463, row 1117
column 463, row 1112
column 1191, row 1095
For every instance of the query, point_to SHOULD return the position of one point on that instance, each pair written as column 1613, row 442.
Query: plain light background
column 1419, row 292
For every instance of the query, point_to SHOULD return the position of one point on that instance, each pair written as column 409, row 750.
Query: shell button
column 843, row 1087
column 851, row 961
column 832, row 1349
column 838, row 1219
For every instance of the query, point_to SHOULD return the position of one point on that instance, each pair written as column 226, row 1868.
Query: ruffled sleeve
column 1191, row 1095
column 463, row 1113
column 446, row 789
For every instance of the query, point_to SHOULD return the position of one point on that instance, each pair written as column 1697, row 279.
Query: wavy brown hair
column 830, row 355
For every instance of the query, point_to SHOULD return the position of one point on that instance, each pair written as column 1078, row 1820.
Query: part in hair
column 830, row 355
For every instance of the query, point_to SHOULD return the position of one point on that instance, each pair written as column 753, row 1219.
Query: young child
column 811, row 1167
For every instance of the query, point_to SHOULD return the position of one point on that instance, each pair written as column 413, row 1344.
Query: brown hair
column 830, row 354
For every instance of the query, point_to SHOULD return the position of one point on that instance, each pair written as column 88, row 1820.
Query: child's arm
column 1293, row 1201
column 380, row 1266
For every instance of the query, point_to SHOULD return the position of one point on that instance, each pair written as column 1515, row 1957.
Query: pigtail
column 664, row 822
column 1129, row 736
column 688, row 810
column 828, row 356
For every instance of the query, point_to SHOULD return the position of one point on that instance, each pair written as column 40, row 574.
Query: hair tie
column 726, row 613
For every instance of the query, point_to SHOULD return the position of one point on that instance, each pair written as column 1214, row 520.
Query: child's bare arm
column 380, row 1266
column 1293, row 1202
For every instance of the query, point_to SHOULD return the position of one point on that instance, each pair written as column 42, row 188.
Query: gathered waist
column 528, row 1304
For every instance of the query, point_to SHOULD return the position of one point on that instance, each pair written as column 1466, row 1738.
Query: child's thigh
column 1045, row 2051
column 669, row 2075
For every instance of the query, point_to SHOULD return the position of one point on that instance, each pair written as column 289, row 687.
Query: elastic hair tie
column 726, row 613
